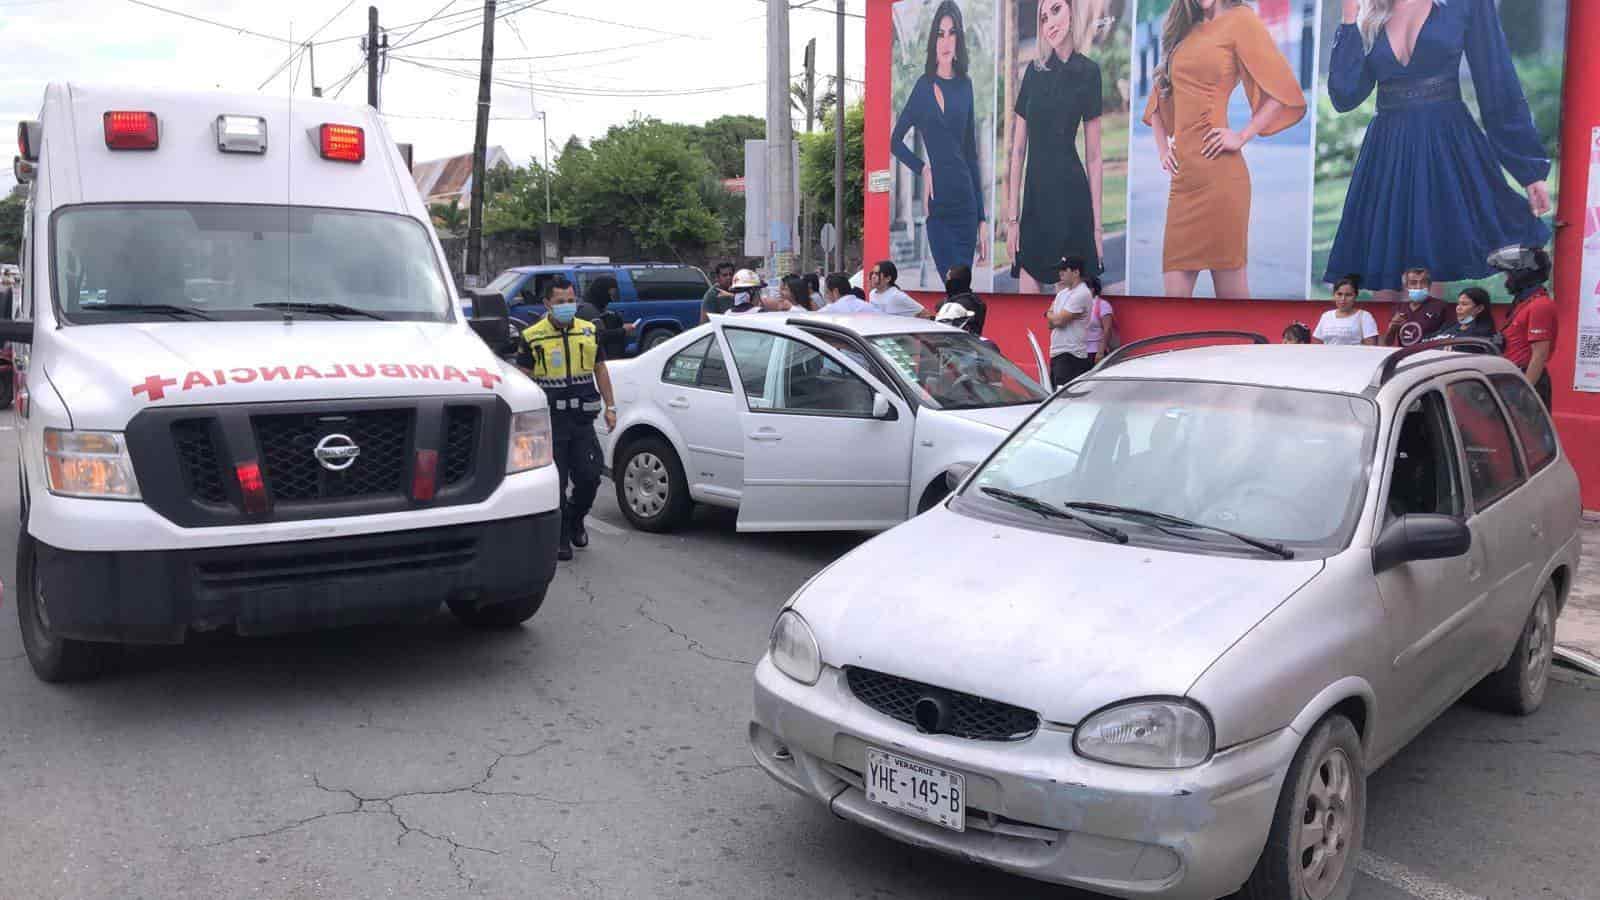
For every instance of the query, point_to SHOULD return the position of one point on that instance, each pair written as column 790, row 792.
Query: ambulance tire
column 53, row 658
column 505, row 614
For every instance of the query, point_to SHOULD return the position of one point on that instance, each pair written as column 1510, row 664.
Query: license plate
column 917, row 789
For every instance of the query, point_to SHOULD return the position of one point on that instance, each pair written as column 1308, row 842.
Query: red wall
column 1010, row 315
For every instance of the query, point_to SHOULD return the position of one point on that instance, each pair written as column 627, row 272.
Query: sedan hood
column 1005, row 418
column 1059, row 624
column 108, row 373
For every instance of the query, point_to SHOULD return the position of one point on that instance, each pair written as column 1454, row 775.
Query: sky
column 600, row 62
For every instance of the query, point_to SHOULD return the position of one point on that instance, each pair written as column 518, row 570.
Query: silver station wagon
column 1156, row 643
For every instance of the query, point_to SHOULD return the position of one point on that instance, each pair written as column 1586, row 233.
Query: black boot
column 564, row 551
column 580, row 535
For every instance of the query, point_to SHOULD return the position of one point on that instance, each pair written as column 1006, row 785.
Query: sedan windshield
column 1191, row 461
column 171, row 262
column 956, row 370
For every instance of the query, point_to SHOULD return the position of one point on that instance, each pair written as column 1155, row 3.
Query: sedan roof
column 864, row 324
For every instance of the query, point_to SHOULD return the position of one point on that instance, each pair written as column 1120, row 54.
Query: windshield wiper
column 1034, row 504
column 1150, row 515
column 162, row 308
column 331, row 309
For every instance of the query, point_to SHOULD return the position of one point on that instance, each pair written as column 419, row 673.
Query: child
column 1296, row 334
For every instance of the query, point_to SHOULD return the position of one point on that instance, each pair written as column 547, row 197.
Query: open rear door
column 1040, row 361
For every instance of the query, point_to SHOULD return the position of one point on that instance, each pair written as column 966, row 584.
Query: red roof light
column 131, row 130
column 343, row 143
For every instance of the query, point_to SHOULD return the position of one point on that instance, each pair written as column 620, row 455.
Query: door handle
column 679, row 403
column 1537, row 529
column 766, row 434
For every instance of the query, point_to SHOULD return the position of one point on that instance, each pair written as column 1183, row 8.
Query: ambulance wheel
column 651, row 488
column 53, row 658
column 505, row 614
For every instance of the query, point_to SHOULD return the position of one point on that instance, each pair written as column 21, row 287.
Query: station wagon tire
column 1519, row 688
column 1316, row 831
column 651, row 488
column 653, row 338
column 53, row 658
column 505, row 614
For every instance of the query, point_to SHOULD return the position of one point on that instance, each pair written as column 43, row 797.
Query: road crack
column 693, row 644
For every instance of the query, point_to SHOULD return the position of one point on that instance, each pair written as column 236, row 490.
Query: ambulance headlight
column 89, row 464
column 530, row 441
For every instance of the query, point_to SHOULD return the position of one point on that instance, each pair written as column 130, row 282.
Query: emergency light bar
column 128, row 130
column 241, row 134
column 342, row 143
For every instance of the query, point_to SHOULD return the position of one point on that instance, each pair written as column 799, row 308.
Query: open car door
column 1040, row 361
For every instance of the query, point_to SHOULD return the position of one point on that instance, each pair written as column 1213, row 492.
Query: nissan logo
column 336, row 452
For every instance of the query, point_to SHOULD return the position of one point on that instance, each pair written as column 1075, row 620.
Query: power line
column 413, row 25
column 301, row 51
column 645, row 28
column 817, row 9
column 475, row 25
column 589, row 52
column 195, row 18
column 578, row 91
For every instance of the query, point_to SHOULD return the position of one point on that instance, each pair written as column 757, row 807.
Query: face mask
column 1467, row 320
column 563, row 313
column 1417, row 295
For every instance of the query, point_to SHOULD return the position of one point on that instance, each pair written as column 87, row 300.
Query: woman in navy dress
column 940, row 108
column 1428, row 188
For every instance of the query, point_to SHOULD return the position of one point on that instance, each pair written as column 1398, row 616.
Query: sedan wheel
column 1316, row 831
column 651, row 488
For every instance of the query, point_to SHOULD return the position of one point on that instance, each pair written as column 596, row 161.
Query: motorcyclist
column 1531, row 329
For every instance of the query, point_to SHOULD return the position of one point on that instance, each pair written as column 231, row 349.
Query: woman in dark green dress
column 1058, row 196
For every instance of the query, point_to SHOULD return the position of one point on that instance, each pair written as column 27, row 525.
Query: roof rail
column 1118, row 355
column 1391, row 363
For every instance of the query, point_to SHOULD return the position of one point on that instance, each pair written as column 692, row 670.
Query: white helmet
column 745, row 279
column 953, row 313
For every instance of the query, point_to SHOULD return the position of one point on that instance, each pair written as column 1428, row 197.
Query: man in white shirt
column 1068, row 317
column 888, row 297
column 840, row 300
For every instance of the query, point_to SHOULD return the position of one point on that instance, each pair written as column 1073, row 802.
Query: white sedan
column 848, row 422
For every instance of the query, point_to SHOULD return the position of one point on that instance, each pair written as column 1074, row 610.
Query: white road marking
column 1416, row 884
column 594, row 523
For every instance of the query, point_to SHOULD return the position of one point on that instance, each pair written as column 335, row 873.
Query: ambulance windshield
column 137, row 262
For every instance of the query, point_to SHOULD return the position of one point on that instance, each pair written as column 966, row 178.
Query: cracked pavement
column 598, row 752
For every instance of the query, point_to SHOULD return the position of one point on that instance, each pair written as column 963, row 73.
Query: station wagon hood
column 1058, row 624
column 106, row 374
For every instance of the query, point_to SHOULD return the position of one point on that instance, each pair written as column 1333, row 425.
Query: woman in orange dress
column 1211, row 46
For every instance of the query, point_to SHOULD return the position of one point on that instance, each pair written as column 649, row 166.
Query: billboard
column 1222, row 148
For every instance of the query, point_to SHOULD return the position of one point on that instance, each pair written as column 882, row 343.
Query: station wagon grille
column 969, row 716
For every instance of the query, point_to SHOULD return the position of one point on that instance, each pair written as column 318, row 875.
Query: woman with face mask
column 1473, row 318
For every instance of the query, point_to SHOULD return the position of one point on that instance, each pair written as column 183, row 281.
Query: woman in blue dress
column 1428, row 187
column 940, row 108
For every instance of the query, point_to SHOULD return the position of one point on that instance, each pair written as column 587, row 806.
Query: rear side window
column 699, row 365
column 669, row 283
column 1529, row 418
column 1493, row 469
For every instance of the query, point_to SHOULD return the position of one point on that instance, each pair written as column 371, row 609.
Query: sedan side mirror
column 956, row 474
column 491, row 320
column 883, row 409
column 1418, row 537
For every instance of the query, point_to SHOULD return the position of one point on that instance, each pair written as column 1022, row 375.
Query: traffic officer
column 564, row 357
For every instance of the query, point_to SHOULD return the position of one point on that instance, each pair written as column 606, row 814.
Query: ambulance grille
column 460, row 443
column 197, row 455
column 292, row 472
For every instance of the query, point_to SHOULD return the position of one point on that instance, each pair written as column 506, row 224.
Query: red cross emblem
column 155, row 386
column 484, row 375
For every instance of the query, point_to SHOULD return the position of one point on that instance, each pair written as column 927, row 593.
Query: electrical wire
column 817, row 9
column 234, row 28
column 576, row 91
column 589, row 52
column 498, row 16
column 308, row 41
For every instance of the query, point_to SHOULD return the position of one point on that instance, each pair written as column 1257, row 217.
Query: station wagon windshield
column 119, row 263
column 956, row 371
column 1282, row 466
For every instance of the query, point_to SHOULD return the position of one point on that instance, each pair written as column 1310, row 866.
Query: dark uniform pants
column 578, row 462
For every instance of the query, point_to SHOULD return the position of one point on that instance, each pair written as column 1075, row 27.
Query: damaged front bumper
column 1034, row 807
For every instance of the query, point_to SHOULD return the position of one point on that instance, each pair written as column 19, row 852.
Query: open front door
column 823, row 449
column 1040, row 361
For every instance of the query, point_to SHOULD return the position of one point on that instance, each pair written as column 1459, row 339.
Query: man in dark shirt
column 958, row 289
column 1423, row 314
column 719, row 297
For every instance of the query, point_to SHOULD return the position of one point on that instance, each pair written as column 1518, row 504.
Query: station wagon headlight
column 89, row 464
column 1148, row 734
column 530, row 441
column 794, row 648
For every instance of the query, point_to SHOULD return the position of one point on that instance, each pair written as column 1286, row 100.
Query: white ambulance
column 246, row 396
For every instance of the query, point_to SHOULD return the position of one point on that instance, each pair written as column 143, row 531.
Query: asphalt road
column 599, row 752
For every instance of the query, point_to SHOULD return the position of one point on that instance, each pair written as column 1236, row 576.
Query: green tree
column 816, row 171
column 448, row 218
column 643, row 179
column 11, row 214
column 722, row 139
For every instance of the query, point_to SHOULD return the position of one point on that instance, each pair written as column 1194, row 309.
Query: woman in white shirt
column 1345, row 324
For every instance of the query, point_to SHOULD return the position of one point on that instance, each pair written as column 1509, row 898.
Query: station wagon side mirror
column 490, row 320
column 956, row 474
column 883, row 409
column 1418, row 537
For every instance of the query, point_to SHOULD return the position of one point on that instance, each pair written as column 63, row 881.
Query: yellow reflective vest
column 563, row 364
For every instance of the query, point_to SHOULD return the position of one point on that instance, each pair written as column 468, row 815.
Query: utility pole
column 838, row 151
column 480, row 142
column 372, row 57
column 811, row 111
column 780, row 145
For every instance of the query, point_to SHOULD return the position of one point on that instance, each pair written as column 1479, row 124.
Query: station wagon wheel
column 1519, row 688
column 1316, row 831
column 651, row 488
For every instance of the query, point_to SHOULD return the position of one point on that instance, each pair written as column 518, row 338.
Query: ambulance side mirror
column 489, row 320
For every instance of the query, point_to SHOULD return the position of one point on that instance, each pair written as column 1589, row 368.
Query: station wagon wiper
column 1150, row 515
column 1034, row 504
column 162, row 308
column 332, row 309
